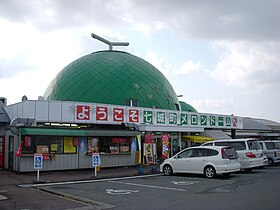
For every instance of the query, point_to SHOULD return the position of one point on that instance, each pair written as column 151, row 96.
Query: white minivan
column 271, row 148
column 210, row 161
column 249, row 151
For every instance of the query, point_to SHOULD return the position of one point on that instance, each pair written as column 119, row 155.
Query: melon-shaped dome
column 186, row 107
column 113, row 77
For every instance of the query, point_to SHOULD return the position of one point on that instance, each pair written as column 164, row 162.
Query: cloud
column 215, row 105
column 24, row 48
column 188, row 68
column 246, row 65
column 160, row 63
column 216, row 20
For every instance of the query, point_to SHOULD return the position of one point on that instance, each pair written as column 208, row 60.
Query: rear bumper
column 251, row 163
column 222, row 169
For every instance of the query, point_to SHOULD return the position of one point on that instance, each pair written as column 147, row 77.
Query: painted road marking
column 184, row 182
column 85, row 181
column 120, row 192
column 150, row 186
column 2, row 197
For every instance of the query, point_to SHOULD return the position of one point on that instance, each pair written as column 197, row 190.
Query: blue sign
column 95, row 159
column 38, row 161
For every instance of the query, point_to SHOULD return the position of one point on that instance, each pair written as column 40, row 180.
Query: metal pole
column 38, row 175
column 95, row 171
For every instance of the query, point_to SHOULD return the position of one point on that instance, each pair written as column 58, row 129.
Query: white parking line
column 150, row 186
column 2, row 197
column 85, row 181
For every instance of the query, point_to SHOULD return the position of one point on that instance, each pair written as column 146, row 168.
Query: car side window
column 211, row 152
column 185, row 154
column 208, row 144
column 238, row 145
column 222, row 143
column 253, row 144
column 270, row 145
column 199, row 153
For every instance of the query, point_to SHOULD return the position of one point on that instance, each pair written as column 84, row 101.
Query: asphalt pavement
column 12, row 196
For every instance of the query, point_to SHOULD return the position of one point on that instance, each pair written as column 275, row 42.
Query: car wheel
column 167, row 170
column 209, row 171
column 270, row 162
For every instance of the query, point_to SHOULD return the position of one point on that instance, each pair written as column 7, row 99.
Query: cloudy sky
column 222, row 56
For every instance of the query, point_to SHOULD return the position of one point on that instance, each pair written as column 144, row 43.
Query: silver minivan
column 249, row 151
column 271, row 148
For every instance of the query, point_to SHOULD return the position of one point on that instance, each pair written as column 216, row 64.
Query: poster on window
column 68, row 145
column 95, row 145
column 82, row 145
column 165, row 146
column 133, row 146
column 149, row 153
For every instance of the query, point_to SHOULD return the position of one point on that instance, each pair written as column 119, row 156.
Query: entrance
column 173, row 146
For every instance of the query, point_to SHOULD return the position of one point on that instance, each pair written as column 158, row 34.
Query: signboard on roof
column 112, row 115
column 93, row 113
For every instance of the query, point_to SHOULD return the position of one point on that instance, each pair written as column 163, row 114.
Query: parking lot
column 258, row 189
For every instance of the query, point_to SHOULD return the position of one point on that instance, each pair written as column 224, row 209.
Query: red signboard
column 149, row 138
column 118, row 140
column 118, row 115
column 27, row 141
column 101, row 113
column 133, row 116
column 83, row 112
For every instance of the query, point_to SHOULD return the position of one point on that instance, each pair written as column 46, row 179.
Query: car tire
column 167, row 170
column 209, row 172
column 270, row 162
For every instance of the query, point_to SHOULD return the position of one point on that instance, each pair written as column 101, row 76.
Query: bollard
column 140, row 170
column 154, row 169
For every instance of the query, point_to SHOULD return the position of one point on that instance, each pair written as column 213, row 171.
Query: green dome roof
column 186, row 107
column 113, row 77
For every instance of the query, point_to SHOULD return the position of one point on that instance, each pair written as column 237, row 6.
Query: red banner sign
column 165, row 146
column 149, row 138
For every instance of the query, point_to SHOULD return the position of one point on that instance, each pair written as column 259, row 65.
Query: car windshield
column 230, row 153
column 238, row 145
column 253, row 144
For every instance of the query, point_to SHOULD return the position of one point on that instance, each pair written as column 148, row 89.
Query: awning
column 52, row 132
column 197, row 139
column 216, row 134
column 111, row 133
column 75, row 132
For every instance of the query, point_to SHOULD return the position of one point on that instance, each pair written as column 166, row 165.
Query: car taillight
column 223, row 153
column 250, row 155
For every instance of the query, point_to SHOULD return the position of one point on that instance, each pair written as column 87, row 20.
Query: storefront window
column 48, row 145
column 112, row 145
